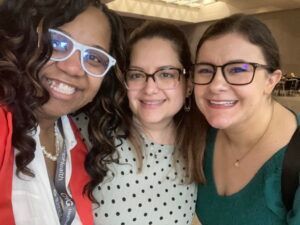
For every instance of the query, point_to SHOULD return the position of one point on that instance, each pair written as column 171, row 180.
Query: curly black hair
column 22, row 55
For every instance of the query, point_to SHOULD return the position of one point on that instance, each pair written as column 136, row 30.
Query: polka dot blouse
column 154, row 196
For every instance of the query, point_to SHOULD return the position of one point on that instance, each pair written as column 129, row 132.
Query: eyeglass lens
column 164, row 78
column 94, row 61
column 234, row 73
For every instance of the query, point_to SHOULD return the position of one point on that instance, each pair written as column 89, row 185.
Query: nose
column 218, row 83
column 150, row 86
column 72, row 65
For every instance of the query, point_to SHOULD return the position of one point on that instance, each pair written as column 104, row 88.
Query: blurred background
column 194, row 16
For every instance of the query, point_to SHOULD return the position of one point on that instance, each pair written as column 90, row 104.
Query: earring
column 187, row 104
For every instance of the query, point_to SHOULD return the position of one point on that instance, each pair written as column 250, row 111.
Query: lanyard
column 64, row 204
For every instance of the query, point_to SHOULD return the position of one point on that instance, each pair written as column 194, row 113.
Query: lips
column 60, row 87
column 222, row 103
column 152, row 102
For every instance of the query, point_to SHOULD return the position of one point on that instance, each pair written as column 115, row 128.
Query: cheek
column 132, row 98
column 46, row 68
column 95, row 85
column 181, row 97
column 131, row 95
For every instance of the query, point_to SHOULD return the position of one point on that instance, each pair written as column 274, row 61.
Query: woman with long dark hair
column 55, row 58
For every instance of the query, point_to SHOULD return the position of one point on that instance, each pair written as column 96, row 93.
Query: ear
column 272, row 80
column 189, row 88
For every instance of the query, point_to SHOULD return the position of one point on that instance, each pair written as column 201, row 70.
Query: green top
column 258, row 203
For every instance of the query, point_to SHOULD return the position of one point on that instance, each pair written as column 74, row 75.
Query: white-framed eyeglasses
column 94, row 61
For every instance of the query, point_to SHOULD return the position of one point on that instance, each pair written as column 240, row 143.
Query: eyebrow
column 230, row 61
column 94, row 46
column 159, row 68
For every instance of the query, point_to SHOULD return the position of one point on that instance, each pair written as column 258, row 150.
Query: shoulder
column 4, row 111
column 5, row 120
column 283, row 126
column 124, row 146
column 6, row 130
column 298, row 119
column 81, row 121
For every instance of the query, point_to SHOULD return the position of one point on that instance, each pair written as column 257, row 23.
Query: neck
column 47, row 126
column 251, row 130
column 47, row 134
column 245, row 143
column 45, row 122
column 162, row 133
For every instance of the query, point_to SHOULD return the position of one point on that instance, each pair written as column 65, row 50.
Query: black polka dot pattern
column 81, row 121
column 155, row 196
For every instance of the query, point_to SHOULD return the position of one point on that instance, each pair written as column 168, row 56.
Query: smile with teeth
column 61, row 87
column 153, row 102
column 223, row 103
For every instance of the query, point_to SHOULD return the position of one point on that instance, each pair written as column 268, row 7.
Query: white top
column 155, row 196
column 32, row 197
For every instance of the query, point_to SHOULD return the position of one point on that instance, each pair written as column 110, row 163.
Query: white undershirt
column 32, row 197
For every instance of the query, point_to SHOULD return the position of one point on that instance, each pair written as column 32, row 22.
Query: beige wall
column 285, row 26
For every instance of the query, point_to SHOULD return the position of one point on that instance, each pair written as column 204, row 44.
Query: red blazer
column 79, row 176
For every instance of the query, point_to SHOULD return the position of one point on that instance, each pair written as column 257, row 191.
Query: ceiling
column 153, row 9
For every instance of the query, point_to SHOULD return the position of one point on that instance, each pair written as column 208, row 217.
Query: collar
column 69, row 137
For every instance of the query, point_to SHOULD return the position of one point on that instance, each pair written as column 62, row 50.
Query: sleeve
column 6, row 166
column 79, row 178
column 5, row 136
column 293, row 217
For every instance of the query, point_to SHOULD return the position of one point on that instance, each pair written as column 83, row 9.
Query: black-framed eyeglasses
column 166, row 78
column 235, row 73
column 94, row 61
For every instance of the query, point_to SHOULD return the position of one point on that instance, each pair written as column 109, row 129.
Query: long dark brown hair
column 21, row 92
column 105, row 112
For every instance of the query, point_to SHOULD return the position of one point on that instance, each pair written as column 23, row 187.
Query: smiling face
column 151, row 105
column 69, row 87
column 226, row 105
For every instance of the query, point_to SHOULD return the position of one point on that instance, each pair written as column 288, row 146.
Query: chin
column 219, row 123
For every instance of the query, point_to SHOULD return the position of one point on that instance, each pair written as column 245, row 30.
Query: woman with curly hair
column 55, row 58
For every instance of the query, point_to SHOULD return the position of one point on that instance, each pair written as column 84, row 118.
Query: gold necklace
column 238, row 160
column 57, row 145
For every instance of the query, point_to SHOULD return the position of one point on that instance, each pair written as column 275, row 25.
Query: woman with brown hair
column 150, row 176
column 237, row 67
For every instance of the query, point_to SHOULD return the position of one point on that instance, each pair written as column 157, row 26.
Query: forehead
column 91, row 27
column 154, row 50
column 229, row 47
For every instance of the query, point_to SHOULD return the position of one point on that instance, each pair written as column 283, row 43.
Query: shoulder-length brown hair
column 189, row 142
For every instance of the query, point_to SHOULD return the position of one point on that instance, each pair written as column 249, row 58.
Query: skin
column 152, row 107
